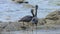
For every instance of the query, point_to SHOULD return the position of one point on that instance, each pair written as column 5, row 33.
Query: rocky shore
column 52, row 21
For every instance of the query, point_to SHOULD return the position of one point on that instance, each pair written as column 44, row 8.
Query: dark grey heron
column 32, row 18
column 35, row 19
column 27, row 18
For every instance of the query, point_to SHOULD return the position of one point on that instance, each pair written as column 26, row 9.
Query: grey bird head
column 36, row 6
column 36, row 10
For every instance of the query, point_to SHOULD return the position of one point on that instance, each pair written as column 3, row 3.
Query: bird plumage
column 27, row 18
column 35, row 19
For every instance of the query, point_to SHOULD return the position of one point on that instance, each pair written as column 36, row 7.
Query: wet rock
column 41, row 21
column 20, row 1
column 10, row 27
column 2, row 26
column 53, row 18
column 14, row 26
column 29, row 6
column 23, row 27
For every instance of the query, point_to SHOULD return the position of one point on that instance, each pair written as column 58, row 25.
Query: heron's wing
column 26, row 18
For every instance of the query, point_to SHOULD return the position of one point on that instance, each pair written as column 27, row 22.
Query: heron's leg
column 27, row 25
column 32, row 27
column 36, row 28
column 23, row 24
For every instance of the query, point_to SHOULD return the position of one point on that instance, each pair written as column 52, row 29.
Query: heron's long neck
column 32, row 13
column 36, row 13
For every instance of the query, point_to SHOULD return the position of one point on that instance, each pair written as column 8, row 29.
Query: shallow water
column 34, row 32
column 10, row 11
